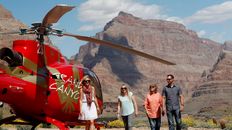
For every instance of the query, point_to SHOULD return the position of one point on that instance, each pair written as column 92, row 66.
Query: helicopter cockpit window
column 12, row 57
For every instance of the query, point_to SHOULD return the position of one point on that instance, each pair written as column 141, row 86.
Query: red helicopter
column 38, row 83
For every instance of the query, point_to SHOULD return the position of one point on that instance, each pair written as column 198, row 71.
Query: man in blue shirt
column 174, row 102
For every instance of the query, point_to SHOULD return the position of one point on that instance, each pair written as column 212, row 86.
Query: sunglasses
column 123, row 88
column 169, row 79
column 86, row 81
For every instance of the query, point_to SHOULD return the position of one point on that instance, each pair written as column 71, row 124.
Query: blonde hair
column 123, row 86
column 127, row 91
column 153, row 86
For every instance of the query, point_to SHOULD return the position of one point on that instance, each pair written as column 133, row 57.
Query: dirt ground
column 140, row 128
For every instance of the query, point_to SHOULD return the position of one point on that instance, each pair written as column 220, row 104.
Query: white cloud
column 99, row 12
column 213, row 14
column 201, row 33
column 216, row 36
column 175, row 19
column 89, row 27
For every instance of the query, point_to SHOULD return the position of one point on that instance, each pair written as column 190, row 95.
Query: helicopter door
column 95, row 81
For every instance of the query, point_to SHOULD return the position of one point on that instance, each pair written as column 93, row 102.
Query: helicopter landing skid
column 12, row 120
column 57, row 123
column 8, row 119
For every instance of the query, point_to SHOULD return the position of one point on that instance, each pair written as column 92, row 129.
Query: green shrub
column 228, row 118
column 205, row 124
column 211, row 124
column 188, row 121
column 228, row 127
column 115, row 124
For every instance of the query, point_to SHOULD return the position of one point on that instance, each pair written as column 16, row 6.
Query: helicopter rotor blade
column 119, row 47
column 55, row 14
column 13, row 32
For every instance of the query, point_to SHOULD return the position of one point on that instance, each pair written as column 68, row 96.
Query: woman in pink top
column 154, row 107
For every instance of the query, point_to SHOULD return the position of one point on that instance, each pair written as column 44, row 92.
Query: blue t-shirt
column 127, row 106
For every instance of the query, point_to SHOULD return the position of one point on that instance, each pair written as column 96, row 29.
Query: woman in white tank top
column 126, row 107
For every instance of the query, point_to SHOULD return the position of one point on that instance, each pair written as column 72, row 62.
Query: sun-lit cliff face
column 168, row 40
column 212, row 95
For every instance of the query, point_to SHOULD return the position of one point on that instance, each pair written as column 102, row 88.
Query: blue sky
column 209, row 18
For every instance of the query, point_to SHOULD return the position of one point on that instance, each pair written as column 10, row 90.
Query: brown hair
column 153, row 86
column 172, row 76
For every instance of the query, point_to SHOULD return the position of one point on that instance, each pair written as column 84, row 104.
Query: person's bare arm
column 96, row 102
column 181, row 102
column 119, row 108
column 80, row 99
column 135, row 105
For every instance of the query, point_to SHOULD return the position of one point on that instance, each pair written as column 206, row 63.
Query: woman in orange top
column 154, row 107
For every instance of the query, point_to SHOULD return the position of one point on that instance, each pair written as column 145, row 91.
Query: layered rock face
column 212, row 96
column 167, row 40
column 9, row 24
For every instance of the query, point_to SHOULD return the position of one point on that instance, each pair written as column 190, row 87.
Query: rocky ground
column 140, row 128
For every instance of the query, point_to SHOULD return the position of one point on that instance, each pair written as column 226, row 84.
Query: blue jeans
column 155, row 123
column 127, row 120
column 177, row 115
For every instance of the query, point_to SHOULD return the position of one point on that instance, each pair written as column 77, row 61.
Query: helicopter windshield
column 12, row 57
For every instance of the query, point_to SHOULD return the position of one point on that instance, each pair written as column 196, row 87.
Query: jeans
column 177, row 115
column 155, row 123
column 127, row 120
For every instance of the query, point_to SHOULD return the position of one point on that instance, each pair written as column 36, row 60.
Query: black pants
column 127, row 120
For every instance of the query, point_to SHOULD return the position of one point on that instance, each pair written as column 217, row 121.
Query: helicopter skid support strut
column 8, row 119
column 12, row 120
column 57, row 123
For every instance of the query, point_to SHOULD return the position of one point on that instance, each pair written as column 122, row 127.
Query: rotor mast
column 44, row 28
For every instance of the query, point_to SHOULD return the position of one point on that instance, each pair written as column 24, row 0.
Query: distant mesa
column 164, row 39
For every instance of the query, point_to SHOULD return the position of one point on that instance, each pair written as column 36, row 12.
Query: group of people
column 170, row 102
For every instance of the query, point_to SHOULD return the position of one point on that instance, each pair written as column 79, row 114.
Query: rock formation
column 9, row 24
column 164, row 39
column 8, row 28
column 212, row 96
